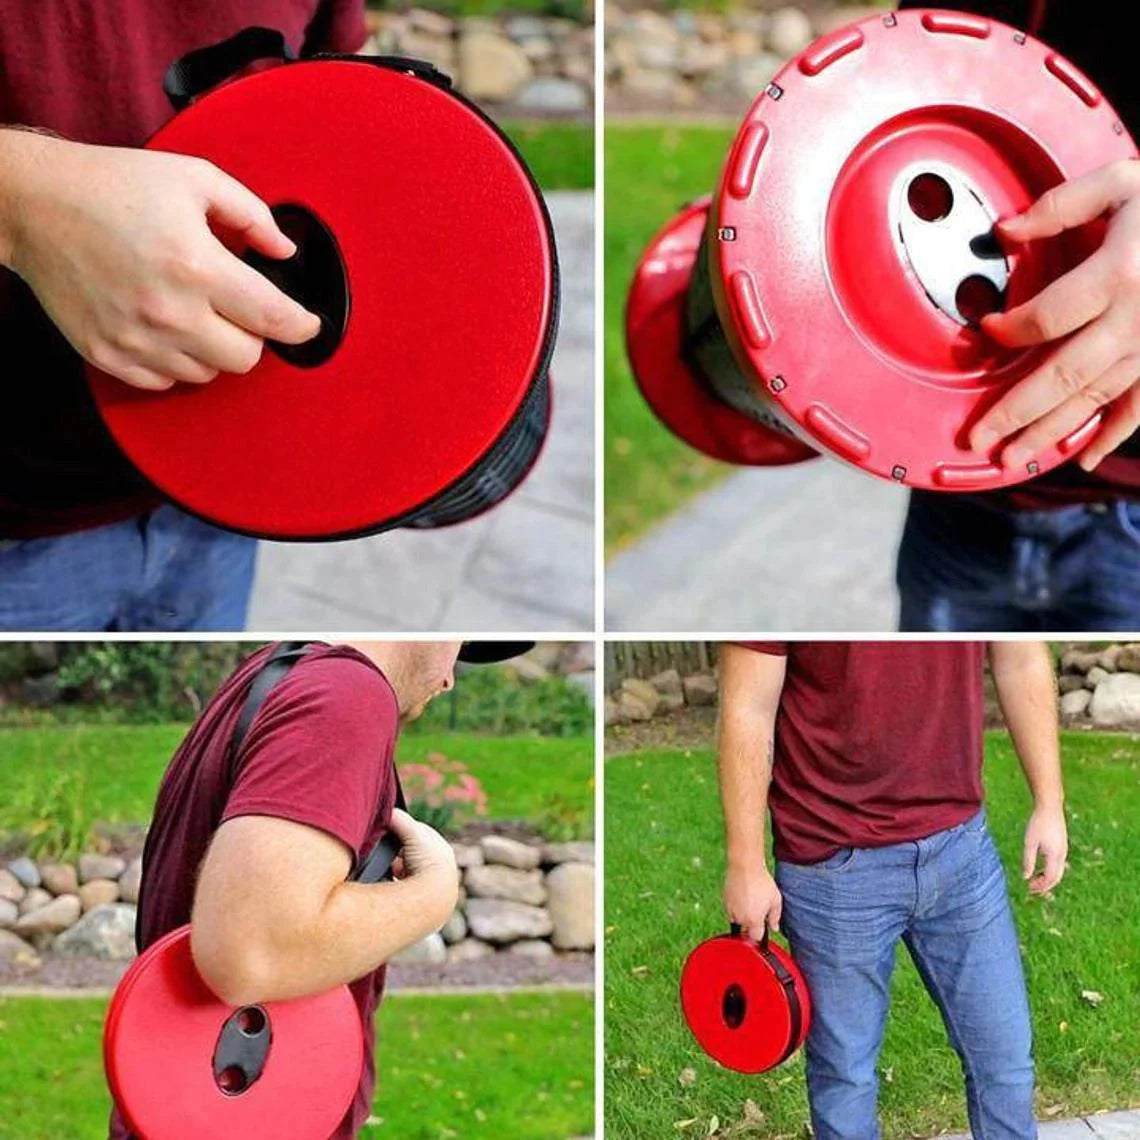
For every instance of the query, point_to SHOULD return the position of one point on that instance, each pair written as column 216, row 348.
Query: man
column 1063, row 550
column 869, row 757
column 108, row 253
column 255, row 849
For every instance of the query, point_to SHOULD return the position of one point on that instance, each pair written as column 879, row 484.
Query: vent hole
column 976, row 297
column 251, row 1021
column 733, row 1006
column 930, row 197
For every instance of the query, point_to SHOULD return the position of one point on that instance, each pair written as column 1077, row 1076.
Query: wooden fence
column 645, row 658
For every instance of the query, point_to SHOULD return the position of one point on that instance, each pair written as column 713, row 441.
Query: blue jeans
column 945, row 897
column 162, row 571
column 969, row 564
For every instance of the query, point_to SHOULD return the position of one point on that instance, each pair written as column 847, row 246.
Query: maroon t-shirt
column 319, row 752
column 876, row 743
column 92, row 72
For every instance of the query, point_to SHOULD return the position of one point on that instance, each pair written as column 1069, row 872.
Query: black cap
column 488, row 652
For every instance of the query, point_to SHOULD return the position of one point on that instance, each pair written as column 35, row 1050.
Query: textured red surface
column 450, row 273
column 763, row 1037
column 158, row 1045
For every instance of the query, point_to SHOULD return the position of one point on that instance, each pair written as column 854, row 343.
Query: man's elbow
column 236, row 971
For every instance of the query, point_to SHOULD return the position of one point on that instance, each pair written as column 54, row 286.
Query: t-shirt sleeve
column 774, row 648
column 337, row 26
column 319, row 752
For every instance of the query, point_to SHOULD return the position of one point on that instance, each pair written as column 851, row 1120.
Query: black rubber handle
column 737, row 931
column 198, row 71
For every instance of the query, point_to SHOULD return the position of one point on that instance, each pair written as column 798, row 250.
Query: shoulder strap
column 377, row 864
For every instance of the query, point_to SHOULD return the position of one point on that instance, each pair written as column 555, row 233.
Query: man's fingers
column 1072, row 203
column 1070, row 415
column 1069, row 370
column 775, row 911
column 1062, row 307
column 1029, row 856
column 237, row 208
column 253, row 303
column 219, row 344
column 1119, row 424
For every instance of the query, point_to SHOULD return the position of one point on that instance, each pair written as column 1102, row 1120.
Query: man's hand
column 117, row 246
column 1047, row 838
column 426, row 854
column 1095, row 305
column 752, row 899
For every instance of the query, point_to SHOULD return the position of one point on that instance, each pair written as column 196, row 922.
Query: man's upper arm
column 1013, row 656
column 751, row 680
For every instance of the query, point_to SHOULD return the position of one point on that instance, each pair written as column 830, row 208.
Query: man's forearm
column 360, row 927
column 23, row 155
column 1027, row 693
column 744, row 765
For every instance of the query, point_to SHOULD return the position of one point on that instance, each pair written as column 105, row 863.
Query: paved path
column 528, row 565
column 806, row 547
column 1109, row 1126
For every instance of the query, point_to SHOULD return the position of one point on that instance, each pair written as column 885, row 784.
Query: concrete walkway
column 806, row 547
column 1107, row 1126
column 527, row 565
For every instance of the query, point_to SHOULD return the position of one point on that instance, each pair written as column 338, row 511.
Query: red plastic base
column 450, row 268
column 815, row 284
column 158, row 1047
column 731, row 968
column 654, row 324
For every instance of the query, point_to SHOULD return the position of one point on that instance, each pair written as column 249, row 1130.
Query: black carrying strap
column 377, row 864
column 197, row 71
column 784, row 977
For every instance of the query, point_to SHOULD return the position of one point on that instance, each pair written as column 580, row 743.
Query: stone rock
column 16, row 952
column 521, row 28
column 584, row 680
column 612, row 712
column 743, row 43
column 1070, row 682
column 106, row 932
column 1107, row 658
column 1075, row 703
column 667, row 683
column 789, row 32
column 700, row 689
column 653, row 86
column 538, row 51
column 60, row 878
column 1127, row 659
column 100, row 867
column 468, row 950
column 510, row 852
column 429, row 951
column 658, row 55
column 646, row 25
column 45, row 922
column 501, row 921
column 1094, row 676
column 491, row 67
column 467, row 855
column 433, row 23
column 98, row 892
column 34, row 899
column 532, row 948
column 553, row 94
column 497, row 882
column 10, row 887
column 1116, row 701
column 571, row 905
column 1077, row 661
column 632, row 708
column 643, row 690
column 129, row 881
column 576, row 851
column 832, row 19
column 9, row 912
column 26, row 872
column 455, row 928
column 750, row 75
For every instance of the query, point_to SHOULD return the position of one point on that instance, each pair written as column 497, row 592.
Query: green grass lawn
column 560, row 155
column 651, row 171
column 663, row 876
column 56, row 782
column 470, row 1066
